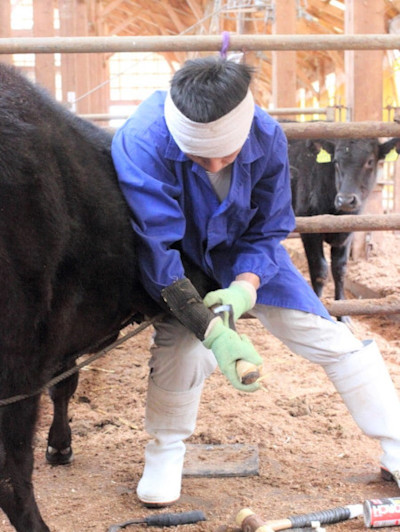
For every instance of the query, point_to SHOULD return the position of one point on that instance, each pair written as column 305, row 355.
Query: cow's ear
column 322, row 149
column 386, row 149
column 323, row 156
column 329, row 147
column 313, row 146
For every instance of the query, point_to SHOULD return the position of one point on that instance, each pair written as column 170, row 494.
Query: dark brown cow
column 68, row 272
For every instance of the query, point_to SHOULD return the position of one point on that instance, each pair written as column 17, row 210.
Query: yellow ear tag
column 392, row 155
column 323, row 156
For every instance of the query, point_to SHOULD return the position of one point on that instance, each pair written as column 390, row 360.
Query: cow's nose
column 347, row 202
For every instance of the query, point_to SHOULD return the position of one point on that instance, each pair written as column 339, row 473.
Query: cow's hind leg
column 59, row 449
column 317, row 265
column 16, row 464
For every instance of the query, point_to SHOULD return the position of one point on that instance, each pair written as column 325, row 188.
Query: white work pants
column 180, row 362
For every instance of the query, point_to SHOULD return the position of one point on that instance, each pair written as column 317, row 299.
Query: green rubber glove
column 228, row 347
column 240, row 295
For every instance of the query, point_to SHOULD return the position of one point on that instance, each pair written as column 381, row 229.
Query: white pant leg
column 179, row 365
column 179, row 361
column 356, row 369
column 317, row 339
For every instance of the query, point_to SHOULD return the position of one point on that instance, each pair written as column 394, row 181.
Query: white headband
column 211, row 139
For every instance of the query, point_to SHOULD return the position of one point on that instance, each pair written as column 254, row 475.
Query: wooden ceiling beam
column 121, row 28
column 163, row 19
column 326, row 12
column 195, row 9
column 337, row 59
column 175, row 18
column 109, row 8
column 326, row 25
column 395, row 4
column 141, row 21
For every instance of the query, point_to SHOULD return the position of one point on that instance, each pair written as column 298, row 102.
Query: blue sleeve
column 151, row 190
column 256, row 251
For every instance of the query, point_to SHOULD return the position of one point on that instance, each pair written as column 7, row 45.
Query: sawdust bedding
column 311, row 455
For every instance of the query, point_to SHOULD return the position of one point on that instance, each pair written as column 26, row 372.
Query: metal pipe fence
column 310, row 130
column 200, row 43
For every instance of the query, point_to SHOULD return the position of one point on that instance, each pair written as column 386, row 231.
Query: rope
column 77, row 367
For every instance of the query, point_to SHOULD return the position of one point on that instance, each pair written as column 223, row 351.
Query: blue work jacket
column 171, row 199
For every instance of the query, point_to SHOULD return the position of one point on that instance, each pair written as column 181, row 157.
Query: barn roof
column 196, row 17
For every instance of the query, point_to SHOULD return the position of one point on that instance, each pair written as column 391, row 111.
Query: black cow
column 339, row 186
column 68, row 272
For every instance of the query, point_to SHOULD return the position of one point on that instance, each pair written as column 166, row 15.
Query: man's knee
column 179, row 361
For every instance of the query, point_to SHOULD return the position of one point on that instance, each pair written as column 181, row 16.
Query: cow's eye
column 370, row 163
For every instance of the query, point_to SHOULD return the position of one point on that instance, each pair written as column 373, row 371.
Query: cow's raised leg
column 17, row 499
column 59, row 449
column 317, row 265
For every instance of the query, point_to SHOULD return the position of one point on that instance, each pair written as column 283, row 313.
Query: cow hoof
column 56, row 457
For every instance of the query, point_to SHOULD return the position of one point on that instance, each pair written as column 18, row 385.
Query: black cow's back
column 67, row 250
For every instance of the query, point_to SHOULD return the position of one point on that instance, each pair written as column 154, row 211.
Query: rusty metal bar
column 353, row 307
column 329, row 223
column 340, row 130
column 298, row 111
column 323, row 223
column 386, row 306
column 104, row 117
column 188, row 43
column 272, row 112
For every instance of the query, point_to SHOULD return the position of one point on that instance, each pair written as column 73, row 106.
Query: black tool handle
column 185, row 518
column 325, row 517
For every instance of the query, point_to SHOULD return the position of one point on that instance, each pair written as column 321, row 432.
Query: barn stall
column 304, row 450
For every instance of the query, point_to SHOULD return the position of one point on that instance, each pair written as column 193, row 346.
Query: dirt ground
column 311, row 454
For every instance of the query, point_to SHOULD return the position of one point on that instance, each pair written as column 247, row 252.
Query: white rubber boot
column 363, row 381
column 170, row 418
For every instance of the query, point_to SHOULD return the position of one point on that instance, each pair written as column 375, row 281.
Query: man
column 204, row 167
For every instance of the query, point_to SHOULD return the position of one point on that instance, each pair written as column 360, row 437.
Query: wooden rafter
column 171, row 17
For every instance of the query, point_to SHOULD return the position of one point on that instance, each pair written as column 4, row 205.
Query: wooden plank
column 99, row 71
column 82, row 61
column 43, row 26
column 284, row 63
column 5, row 26
column 230, row 460
column 364, row 71
column 68, row 70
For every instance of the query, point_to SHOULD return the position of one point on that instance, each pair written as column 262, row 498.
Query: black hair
column 206, row 88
